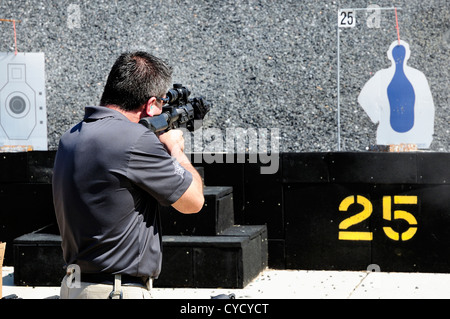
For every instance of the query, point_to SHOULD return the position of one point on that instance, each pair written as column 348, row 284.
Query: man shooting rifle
column 110, row 175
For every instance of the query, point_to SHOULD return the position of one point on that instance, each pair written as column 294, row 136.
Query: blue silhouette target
column 401, row 94
column 399, row 99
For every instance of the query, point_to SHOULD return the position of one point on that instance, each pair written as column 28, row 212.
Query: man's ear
column 150, row 108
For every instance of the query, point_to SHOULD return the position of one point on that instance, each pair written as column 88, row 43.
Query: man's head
column 134, row 79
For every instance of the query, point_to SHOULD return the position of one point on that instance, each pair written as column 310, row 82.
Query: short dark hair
column 134, row 78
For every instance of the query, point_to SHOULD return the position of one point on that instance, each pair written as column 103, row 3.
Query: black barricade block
column 225, row 261
column 263, row 200
column 310, row 206
column 27, row 167
column 24, row 208
column 372, row 168
column 305, row 167
column 40, row 166
column 416, row 238
column 277, row 253
column 216, row 215
column 258, row 235
column 13, row 168
column 313, row 223
column 38, row 260
column 399, row 227
column 433, row 168
column 228, row 174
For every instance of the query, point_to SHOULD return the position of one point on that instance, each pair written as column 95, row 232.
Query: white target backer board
column 23, row 111
column 398, row 98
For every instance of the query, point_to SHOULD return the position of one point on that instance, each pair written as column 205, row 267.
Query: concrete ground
column 292, row 284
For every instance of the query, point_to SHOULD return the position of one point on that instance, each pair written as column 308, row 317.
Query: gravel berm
column 263, row 63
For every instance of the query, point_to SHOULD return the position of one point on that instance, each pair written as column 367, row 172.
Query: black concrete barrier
column 347, row 211
column 358, row 209
column 340, row 211
column 26, row 202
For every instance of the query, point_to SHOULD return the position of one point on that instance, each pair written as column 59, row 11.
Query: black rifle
column 178, row 111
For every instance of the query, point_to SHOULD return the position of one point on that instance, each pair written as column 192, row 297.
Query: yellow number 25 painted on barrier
column 388, row 215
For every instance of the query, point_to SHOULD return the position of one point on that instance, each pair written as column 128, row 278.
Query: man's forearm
column 184, row 161
column 193, row 199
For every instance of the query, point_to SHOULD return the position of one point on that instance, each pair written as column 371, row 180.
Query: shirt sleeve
column 151, row 168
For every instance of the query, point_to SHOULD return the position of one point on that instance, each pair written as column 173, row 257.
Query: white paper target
column 23, row 112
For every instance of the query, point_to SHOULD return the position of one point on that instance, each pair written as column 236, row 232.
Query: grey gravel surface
column 263, row 63
column 290, row 284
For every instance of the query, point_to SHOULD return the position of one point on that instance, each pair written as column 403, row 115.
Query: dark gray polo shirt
column 108, row 177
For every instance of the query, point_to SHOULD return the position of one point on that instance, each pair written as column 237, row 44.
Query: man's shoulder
column 102, row 124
